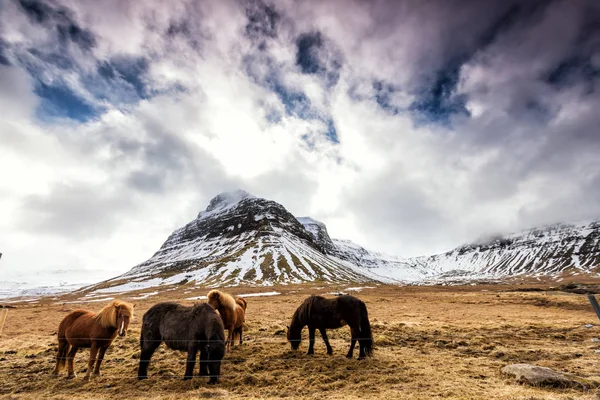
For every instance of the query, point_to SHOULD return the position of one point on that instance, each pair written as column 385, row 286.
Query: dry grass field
column 430, row 342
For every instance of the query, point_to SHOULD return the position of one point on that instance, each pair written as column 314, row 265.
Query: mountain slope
column 552, row 250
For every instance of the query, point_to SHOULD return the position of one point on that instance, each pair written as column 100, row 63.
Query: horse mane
column 222, row 299
column 302, row 314
column 107, row 316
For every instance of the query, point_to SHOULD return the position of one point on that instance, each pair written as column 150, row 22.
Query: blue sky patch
column 58, row 101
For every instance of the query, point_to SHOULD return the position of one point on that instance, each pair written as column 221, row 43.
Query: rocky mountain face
column 242, row 239
column 551, row 250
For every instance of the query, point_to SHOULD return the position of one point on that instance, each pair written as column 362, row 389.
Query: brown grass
column 430, row 342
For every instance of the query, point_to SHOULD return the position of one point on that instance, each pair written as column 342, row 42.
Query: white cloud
column 102, row 195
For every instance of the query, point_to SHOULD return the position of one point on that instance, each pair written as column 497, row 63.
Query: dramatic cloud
column 409, row 127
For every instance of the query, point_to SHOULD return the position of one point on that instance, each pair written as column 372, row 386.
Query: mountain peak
column 226, row 200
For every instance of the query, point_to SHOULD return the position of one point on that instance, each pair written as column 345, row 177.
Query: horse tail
column 366, row 336
column 63, row 344
column 63, row 351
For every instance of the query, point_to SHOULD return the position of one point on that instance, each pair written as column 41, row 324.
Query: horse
column 191, row 329
column 82, row 329
column 320, row 313
column 240, row 318
column 226, row 306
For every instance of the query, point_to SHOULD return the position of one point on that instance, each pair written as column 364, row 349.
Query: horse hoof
column 361, row 358
column 86, row 378
column 213, row 381
column 72, row 376
column 187, row 378
column 142, row 377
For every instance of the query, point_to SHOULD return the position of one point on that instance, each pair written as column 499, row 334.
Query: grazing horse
column 82, row 328
column 240, row 310
column 191, row 329
column 320, row 313
column 226, row 306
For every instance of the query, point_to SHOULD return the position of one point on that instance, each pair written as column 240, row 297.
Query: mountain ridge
column 240, row 239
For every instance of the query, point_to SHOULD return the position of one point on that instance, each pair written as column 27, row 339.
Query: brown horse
column 226, row 306
column 240, row 318
column 82, row 328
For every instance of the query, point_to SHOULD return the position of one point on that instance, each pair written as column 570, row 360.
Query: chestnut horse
column 227, row 308
column 242, row 304
column 82, row 329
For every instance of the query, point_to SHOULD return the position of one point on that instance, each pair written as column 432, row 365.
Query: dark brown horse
column 83, row 329
column 242, row 304
column 190, row 329
column 320, row 313
column 226, row 306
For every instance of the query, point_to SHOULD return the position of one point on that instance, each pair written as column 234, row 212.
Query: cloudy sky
column 409, row 127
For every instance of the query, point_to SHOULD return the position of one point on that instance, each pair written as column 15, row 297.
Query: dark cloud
column 62, row 20
column 263, row 70
column 128, row 75
column 3, row 53
column 316, row 55
column 438, row 100
column 383, row 94
column 262, row 20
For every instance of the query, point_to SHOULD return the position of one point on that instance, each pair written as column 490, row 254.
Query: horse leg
column 204, row 361
column 70, row 358
column 311, row 340
column 361, row 346
column 61, row 355
column 326, row 340
column 241, row 332
column 214, row 370
column 230, row 337
column 191, row 361
column 238, row 331
column 352, row 343
column 92, row 361
column 101, row 353
column 148, row 349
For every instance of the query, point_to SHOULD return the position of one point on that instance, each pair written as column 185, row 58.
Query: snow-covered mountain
column 239, row 239
column 242, row 239
column 551, row 250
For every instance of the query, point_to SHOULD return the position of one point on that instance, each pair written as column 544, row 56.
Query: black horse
column 320, row 313
column 190, row 329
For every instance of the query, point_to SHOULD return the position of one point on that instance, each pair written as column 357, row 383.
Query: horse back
column 334, row 313
column 80, row 327
column 179, row 326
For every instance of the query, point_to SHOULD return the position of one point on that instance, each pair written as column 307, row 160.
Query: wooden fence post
column 3, row 313
column 595, row 304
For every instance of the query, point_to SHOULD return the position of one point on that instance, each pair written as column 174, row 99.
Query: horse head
column 124, row 315
column 294, row 336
